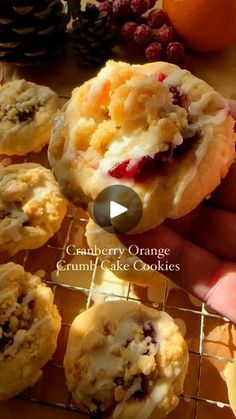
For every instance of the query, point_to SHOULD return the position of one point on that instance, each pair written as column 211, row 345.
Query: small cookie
column 26, row 111
column 31, row 207
column 125, row 360
column 29, row 327
column 137, row 271
column 154, row 128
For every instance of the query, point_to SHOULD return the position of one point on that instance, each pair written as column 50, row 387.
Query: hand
column 204, row 244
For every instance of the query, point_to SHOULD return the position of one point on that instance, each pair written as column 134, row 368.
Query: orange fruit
column 204, row 25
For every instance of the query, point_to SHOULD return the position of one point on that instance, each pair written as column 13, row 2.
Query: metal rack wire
column 90, row 292
column 67, row 405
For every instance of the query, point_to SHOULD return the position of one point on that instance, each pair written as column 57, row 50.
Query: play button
column 117, row 209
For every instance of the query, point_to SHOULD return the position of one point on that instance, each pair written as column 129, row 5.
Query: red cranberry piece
column 178, row 98
column 121, row 8
column 175, row 52
column 145, row 169
column 155, row 52
column 157, row 18
column 119, row 170
column 143, row 35
column 127, row 31
column 162, row 77
column 163, row 156
column 139, row 6
column 165, row 35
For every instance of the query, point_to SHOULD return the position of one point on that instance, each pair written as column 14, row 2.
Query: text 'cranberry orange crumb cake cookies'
column 154, row 128
column 29, row 327
column 31, row 207
column 26, row 111
column 125, row 360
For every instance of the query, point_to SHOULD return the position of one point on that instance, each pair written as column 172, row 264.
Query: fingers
column 211, row 228
column 201, row 273
column 225, row 195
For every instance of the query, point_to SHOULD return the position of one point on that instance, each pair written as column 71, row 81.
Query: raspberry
column 127, row 31
column 139, row 6
column 106, row 6
column 175, row 52
column 143, row 35
column 121, row 8
column 155, row 52
column 157, row 18
column 165, row 35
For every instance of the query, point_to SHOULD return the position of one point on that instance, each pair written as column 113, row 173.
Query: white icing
column 136, row 386
column 159, row 392
column 23, row 335
column 175, row 78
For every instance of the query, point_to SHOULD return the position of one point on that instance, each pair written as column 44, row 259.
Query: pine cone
column 93, row 36
column 31, row 31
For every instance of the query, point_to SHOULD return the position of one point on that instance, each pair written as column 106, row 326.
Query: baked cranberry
column 178, row 98
column 119, row 170
column 160, row 77
column 145, row 168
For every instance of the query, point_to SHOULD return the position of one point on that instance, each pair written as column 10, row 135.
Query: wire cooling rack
column 211, row 338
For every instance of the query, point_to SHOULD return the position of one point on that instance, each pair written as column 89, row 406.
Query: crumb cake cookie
column 137, row 272
column 154, row 128
column 29, row 327
column 26, row 111
column 125, row 360
column 31, row 207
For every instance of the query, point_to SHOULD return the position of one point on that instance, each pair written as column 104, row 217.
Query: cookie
column 29, row 327
column 26, row 111
column 31, row 207
column 125, row 360
column 154, row 128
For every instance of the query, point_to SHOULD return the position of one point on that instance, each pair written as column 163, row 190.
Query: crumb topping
column 20, row 111
column 20, row 101
column 14, row 317
column 141, row 117
column 123, row 368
